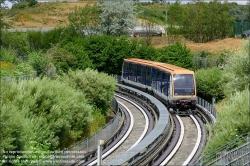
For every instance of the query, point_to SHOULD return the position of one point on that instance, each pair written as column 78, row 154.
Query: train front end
column 183, row 92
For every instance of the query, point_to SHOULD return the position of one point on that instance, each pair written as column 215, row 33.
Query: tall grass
column 232, row 121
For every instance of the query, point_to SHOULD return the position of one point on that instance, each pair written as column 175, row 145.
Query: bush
column 107, row 52
column 35, row 39
column 97, row 87
column 18, row 41
column 39, row 62
column 81, row 59
column 9, row 69
column 143, row 51
column 32, row 3
column 20, row 5
column 62, row 59
column 8, row 55
column 49, row 38
column 232, row 121
column 176, row 54
column 208, row 83
column 35, row 110
column 236, row 71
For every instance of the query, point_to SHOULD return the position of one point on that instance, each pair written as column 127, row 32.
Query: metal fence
column 22, row 77
column 70, row 155
column 209, row 107
column 239, row 27
column 239, row 156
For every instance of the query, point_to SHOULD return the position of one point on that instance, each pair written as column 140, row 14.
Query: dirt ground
column 217, row 46
column 231, row 44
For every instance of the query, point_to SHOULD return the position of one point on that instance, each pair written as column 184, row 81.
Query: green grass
column 152, row 12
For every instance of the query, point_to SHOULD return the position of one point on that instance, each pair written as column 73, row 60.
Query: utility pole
column 166, row 11
column 99, row 152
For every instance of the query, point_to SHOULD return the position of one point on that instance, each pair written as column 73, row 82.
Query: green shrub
column 8, row 55
column 35, row 39
column 176, row 54
column 81, row 59
column 107, row 52
column 232, row 121
column 18, row 41
column 39, row 62
column 32, row 3
column 236, row 71
column 23, row 69
column 97, row 87
column 143, row 51
column 20, row 5
column 208, row 83
column 61, row 58
column 52, row 37
column 42, row 110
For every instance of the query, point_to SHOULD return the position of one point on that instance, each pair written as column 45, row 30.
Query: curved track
column 182, row 148
column 138, row 123
column 188, row 142
column 139, row 130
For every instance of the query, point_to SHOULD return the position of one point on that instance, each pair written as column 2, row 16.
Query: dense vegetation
column 233, row 116
column 70, row 70
column 73, row 68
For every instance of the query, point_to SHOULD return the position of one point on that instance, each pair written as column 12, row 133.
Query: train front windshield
column 183, row 84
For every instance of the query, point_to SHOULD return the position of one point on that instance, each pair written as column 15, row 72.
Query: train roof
column 162, row 66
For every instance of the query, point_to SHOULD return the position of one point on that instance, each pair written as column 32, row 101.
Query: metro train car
column 173, row 85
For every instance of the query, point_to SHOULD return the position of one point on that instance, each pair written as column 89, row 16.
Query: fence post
column 99, row 152
column 35, row 74
column 213, row 102
column 7, row 79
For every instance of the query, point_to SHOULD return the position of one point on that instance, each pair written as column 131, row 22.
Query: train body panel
column 173, row 85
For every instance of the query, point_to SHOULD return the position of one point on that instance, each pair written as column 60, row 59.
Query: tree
column 97, row 87
column 240, row 12
column 18, row 41
column 207, row 21
column 117, row 16
column 85, row 20
column 237, row 67
column 176, row 54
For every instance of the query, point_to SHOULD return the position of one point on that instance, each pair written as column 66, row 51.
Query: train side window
column 159, row 79
column 143, row 74
column 154, row 76
column 148, row 69
column 165, row 83
column 125, row 70
column 130, row 71
column 139, row 75
column 134, row 72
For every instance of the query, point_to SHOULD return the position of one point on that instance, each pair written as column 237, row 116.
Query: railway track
column 188, row 141
column 180, row 144
column 138, row 121
column 142, row 125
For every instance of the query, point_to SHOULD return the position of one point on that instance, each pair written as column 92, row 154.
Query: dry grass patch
column 216, row 46
column 43, row 14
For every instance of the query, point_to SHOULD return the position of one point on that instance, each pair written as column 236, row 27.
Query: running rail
column 153, row 138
